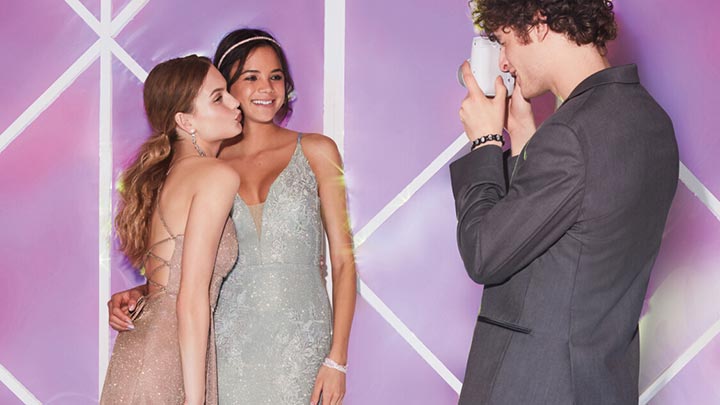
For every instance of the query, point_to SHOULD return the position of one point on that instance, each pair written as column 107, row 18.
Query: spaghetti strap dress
column 145, row 365
column 274, row 319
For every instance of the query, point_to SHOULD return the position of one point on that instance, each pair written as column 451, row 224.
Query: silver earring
column 194, row 142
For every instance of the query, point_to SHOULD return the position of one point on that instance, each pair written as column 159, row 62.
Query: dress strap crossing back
column 171, row 237
column 162, row 218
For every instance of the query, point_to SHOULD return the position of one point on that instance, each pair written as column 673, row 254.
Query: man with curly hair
column 563, row 239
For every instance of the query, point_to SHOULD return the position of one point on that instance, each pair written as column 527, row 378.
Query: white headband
column 244, row 41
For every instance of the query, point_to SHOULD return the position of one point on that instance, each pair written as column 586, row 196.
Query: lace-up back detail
column 177, row 239
column 145, row 367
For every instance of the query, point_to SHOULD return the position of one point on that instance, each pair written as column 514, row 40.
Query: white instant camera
column 484, row 59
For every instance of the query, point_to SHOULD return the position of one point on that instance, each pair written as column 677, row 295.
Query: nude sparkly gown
column 145, row 365
column 273, row 321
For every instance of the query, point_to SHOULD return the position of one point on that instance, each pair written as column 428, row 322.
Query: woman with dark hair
column 279, row 341
column 173, row 222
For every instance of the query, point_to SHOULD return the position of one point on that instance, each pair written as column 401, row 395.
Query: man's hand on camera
column 481, row 115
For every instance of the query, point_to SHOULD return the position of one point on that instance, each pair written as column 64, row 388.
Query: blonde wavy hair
column 171, row 87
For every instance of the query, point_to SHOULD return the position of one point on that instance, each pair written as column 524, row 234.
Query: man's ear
column 184, row 122
column 540, row 30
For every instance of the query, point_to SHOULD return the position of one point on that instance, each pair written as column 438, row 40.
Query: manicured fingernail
column 131, row 307
column 131, row 326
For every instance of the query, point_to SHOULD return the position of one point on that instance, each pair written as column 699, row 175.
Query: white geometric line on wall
column 127, row 60
column 106, row 29
column 105, row 18
column 371, row 298
column 334, row 73
column 410, row 337
column 111, row 28
column 104, row 191
column 126, row 15
column 403, row 196
column 680, row 363
column 49, row 96
column 334, row 90
column 85, row 14
column 17, row 388
column 701, row 192
column 710, row 202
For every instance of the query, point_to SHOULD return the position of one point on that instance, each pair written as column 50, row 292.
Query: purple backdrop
column 416, row 308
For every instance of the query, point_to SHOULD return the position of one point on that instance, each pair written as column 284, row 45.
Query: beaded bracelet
column 487, row 138
column 328, row 362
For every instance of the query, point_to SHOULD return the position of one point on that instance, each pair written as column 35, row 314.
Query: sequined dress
column 273, row 321
column 145, row 365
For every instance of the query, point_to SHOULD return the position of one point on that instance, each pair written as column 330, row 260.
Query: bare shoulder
column 211, row 175
column 314, row 140
column 319, row 146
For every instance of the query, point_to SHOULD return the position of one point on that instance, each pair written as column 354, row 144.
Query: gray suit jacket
column 565, row 250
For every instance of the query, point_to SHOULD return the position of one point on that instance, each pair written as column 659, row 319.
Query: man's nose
column 503, row 62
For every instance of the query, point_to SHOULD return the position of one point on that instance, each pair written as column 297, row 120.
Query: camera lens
column 460, row 76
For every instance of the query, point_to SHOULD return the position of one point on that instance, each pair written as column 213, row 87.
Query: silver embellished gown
column 273, row 320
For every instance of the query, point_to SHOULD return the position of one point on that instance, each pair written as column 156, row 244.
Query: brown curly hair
column 171, row 87
column 582, row 21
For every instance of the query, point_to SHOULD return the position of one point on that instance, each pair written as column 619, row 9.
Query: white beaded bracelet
column 328, row 362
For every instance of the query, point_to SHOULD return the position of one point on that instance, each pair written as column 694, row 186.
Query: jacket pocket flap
column 503, row 324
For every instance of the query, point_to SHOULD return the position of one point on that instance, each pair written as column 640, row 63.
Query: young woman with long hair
column 173, row 222
column 293, row 346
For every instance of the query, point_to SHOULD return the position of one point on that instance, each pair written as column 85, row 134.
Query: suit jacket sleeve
column 503, row 229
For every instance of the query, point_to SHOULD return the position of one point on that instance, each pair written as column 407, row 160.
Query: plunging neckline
column 272, row 184
column 259, row 232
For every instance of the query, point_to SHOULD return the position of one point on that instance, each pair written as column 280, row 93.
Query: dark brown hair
column 582, row 21
column 171, row 87
column 240, row 54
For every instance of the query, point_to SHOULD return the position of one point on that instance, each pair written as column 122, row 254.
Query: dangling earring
column 194, row 142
